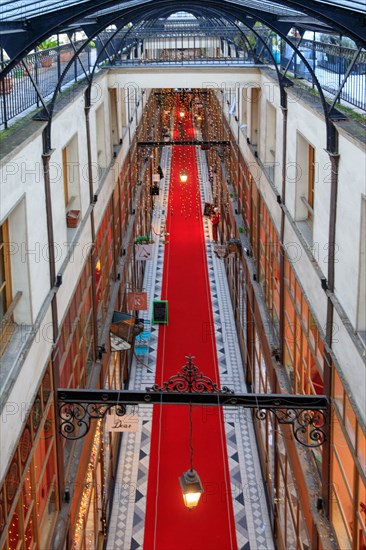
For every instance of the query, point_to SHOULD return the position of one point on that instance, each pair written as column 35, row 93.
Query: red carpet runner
column 169, row 524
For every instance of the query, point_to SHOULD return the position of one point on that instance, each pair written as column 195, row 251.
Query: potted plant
column 66, row 55
column 73, row 218
column 45, row 54
column 6, row 85
column 46, row 61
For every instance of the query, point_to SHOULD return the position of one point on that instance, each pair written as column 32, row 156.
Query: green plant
column 47, row 44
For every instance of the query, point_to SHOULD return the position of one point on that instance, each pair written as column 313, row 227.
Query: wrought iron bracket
column 304, row 413
column 75, row 417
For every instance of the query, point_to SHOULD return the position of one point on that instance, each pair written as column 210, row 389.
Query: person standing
column 215, row 222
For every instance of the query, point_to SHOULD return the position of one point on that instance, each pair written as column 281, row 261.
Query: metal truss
column 305, row 414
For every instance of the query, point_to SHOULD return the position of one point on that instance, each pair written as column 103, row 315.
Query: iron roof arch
column 112, row 20
column 240, row 13
column 343, row 20
column 217, row 17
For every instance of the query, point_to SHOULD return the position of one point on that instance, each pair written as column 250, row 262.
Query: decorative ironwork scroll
column 190, row 380
column 306, row 424
column 75, row 417
column 306, row 414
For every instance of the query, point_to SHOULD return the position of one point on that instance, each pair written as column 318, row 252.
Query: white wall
column 23, row 203
column 310, row 262
column 22, row 180
column 194, row 77
column 352, row 184
column 19, row 403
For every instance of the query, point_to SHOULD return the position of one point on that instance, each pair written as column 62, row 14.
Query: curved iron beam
column 47, row 131
column 221, row 17
column 238, row 12
column 48, row 28
column 112, row 20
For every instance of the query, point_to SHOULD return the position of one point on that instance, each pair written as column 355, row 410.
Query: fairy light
column 88, row 486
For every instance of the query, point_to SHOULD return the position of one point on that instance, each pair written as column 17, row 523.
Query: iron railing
column 191, row 46
column 330, row 63
column 17, row 91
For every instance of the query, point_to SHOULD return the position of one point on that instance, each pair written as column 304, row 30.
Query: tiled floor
column 126, row 530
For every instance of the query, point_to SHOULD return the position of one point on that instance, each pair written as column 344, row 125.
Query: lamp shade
column 183, row 176
column 191, row 488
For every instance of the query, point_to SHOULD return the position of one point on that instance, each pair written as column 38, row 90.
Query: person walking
column 215, row 222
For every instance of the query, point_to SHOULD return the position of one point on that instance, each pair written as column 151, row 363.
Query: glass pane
column 14, row 531
column 25, row 446
column 344, row 456
column 47, row 385
column 2, row 511
column 12, row 482
column 338, row 392
column 361, row 450
column 340, row 526
column 2, row 267
column 2, row 303
column 350, row 421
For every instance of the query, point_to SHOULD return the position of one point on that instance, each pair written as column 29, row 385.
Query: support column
column 46, row 156
column 327, row 364
column 282, row 234
column 92, row 226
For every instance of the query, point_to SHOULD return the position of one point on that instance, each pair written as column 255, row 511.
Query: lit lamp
column 182, row 114
column 190, row 482
column 183, row 176
column 192, row 489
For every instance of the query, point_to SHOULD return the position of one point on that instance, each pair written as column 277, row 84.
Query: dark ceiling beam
column 352, row 24
column 345, row 21
column 41, row 27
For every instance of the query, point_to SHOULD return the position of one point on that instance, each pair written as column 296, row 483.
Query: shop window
column 361, row 449
column 71, row 178
column 244, row 111
column 113, row 116
column 270, row 142
column 338, row 392
column 361, row 305
column 101, row 139
column 5, row 274
column 7, row 326
column 305, row 186
column 14, row 530
column 254, row 116
column 342, row 486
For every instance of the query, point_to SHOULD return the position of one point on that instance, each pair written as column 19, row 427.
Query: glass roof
column 17, row 10
column 18, row 38
column 181, row 15
column 267, row 6
column 357, row 5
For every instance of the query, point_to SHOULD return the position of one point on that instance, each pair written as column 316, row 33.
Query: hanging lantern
column 183, row 176
column 182, row 114
column 191, row 487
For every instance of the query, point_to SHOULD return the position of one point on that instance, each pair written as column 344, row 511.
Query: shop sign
column 143, row 251
column 126, row 423
column 137, row 301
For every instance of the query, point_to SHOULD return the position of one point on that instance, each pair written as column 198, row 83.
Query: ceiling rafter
column 22, row 26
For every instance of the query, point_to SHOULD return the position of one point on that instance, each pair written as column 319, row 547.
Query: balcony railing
column 330, row 63
column 17, row 93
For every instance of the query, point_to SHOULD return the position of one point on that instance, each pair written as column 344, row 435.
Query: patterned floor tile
column 249, row 504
